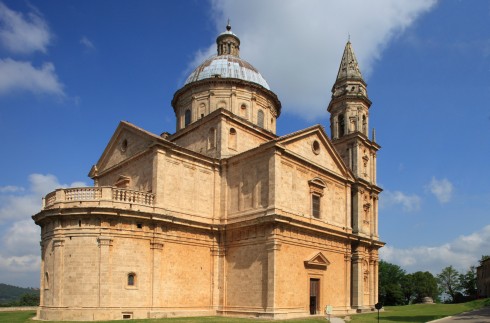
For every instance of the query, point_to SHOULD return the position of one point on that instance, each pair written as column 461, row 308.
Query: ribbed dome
column 227, row 66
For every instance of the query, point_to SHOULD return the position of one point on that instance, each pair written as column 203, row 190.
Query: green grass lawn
column 418, row 313
column 391, row 314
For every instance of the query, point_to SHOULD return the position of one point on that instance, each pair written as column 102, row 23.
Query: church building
column 222, row 217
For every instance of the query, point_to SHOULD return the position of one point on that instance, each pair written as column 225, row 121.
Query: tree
column 29, row 300
column 408, row 288
column 467, row 282
column 390, row 277
column 448, row 281
column 424, row 285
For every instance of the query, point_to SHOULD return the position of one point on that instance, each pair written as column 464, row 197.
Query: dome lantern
column 228, row 43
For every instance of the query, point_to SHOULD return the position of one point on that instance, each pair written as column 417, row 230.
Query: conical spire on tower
column 349, row 82
column 349, row 107
column 349, row 68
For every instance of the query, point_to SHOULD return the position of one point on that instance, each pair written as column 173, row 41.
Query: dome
column 227, row 66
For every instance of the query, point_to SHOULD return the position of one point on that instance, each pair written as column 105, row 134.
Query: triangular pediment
column 317, row 261
column 127, row 141
column 313, row 146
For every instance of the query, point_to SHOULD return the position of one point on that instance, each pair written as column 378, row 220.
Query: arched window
column 187, row 117
column 221, row 105
column 260, row 118
column 232, row 140
column 243, row 111
column 341, row 125
column 202, row 110
column 212, row 138
column 131, row 279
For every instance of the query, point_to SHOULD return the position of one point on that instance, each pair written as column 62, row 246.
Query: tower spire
column 350, row 103
column 349, row 68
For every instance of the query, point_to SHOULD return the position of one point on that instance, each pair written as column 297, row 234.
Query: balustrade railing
column 49, row 199
column 83, row 193
column 123, row 195
column 97, row 194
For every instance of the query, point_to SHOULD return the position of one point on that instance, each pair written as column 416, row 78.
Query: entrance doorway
column 314, row 295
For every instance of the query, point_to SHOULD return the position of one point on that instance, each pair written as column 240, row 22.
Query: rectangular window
column 315, row 205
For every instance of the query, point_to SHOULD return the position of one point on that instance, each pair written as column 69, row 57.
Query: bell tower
column 349, row 119
column 349, row 126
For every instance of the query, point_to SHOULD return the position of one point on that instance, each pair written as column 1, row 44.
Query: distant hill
column 9, row 293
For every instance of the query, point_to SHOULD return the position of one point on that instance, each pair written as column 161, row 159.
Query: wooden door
column 314, row 295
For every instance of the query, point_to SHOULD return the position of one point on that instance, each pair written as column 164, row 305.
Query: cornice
column 228, row 81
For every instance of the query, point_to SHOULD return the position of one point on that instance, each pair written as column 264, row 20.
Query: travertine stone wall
column 246, row 276
column 321, row 157
column 360, row 157
column 184, row 177
column 293, row 275
column 87, row 269
column 295, row 193
column 241, row 100
column 126, row 145
column 248, row 184
column 199, row 137
column 80, row 272
column 204, row 138
column 140, row 172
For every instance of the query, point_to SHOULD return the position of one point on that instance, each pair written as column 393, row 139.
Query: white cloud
column 26, row 263
column 20, row 206
column 23, row 34
column 20, row 236
column 409, row 203
column 297, row 45
column 463, row 252
column 442, row 189
column 11, row 189
column 89, row 46
column 22, row 76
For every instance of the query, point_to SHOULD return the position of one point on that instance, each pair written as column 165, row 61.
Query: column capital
column 58, row 242
column 104, row 241
column 217, row 251
column 272, row 245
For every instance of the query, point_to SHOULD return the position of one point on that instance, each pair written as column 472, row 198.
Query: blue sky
column 71, row 70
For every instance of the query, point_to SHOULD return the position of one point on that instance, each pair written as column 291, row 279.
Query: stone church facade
column 223, row 217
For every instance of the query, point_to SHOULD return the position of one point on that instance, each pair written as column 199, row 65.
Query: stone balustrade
column 104, row 193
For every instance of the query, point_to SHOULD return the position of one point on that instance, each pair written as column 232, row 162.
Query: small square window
column 127, row 316
column 139, row 225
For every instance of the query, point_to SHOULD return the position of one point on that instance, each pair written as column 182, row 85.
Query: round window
column 124, row 145
column 316, row 147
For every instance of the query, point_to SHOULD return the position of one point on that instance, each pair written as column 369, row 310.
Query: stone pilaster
column 104, row 296
column 156, row 279
column 357, row 281
column 158, row 180
column 272, row 249
column 347, row 278
column 217, row 267
column 42, row 279
column 372, row 283
column 221, row 267
column 58, row 272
